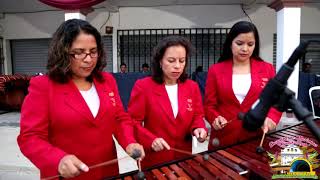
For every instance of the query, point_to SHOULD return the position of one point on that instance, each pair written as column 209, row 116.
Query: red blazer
column 149, row 103
column 55, row 121
column 220, row 100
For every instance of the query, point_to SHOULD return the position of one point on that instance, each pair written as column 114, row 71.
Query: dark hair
column 239, row 28
column 160, row 49
column 59, row 60
column 123, row 64
column 145, row 65
column 306, row 67
column 199, row 69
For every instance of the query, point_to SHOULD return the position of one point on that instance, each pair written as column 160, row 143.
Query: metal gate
column 135, row 46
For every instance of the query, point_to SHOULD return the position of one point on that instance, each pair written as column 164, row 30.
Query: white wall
column 27, row 26
column 42, row 25
column 310, row 19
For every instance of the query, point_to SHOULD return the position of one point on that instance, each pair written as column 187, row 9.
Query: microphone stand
column 287, row 97
column 287, row 100
column 278, row 95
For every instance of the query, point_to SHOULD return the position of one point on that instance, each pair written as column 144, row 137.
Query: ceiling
column 25, row 6
column 20, row 6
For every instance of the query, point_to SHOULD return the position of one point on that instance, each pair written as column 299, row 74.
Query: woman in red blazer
column 234, row 84
column 167, row 104
column 69, row 115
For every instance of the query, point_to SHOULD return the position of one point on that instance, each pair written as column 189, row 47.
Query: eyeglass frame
column 91, row 54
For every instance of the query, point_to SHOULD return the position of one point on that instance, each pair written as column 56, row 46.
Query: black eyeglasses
column 83, row 55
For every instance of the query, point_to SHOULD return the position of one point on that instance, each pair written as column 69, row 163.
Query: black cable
column 244, row 11
column 105, row 21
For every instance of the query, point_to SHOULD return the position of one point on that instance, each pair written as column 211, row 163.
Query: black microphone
column 254, row 118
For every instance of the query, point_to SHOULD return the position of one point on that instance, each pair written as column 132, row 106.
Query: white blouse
column 241, row 84
column 92, row 99
column 173, row 96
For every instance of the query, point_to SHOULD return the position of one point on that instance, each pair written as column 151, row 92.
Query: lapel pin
column 189, row 109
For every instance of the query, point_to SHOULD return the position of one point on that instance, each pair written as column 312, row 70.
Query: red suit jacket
column 220, row 100
column 55, row 121
column 150, row 104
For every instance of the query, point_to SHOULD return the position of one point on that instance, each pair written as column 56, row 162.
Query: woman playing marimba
column 168, row 104
column 235, row 83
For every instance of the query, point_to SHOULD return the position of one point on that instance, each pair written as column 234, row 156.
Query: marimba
column 234, row 162
column 13, row 89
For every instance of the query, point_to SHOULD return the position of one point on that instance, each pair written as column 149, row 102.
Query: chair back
column 314, row 94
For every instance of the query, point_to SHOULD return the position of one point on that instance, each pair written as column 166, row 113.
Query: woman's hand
column 219, row 123
column 268, row 125
column 70, row 166
column 159, row 144
column 135, row 149
column 200, row 134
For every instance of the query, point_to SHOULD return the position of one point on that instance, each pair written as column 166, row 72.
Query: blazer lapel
column 227, row 81
column 255, row 82
column 74, row 100
column 163, row 99
column 183, row 102
column 104, row 94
